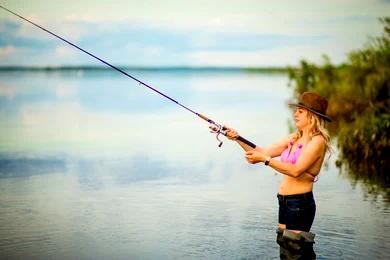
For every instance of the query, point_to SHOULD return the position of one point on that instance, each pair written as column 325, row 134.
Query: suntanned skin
column 298, row 177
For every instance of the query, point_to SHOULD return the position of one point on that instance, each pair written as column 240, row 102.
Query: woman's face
column 301, row 118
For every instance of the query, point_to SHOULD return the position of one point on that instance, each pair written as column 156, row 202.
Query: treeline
column 359, row 104
column 49, row 69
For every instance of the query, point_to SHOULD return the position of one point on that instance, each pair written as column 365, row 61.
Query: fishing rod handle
column 242, row 139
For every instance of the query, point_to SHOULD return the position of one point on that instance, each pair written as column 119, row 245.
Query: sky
column 147, row 33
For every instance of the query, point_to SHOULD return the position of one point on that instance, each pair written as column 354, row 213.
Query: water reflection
column 13, row 167
column 376, row 187
column 94, row 167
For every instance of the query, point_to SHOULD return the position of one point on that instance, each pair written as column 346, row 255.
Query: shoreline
column 283, row 70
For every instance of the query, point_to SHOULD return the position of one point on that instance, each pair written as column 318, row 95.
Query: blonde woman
column 301, row 156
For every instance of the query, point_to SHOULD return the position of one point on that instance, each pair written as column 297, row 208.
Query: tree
column 359, row 104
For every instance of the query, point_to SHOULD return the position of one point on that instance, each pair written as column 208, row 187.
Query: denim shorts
column 297, row 211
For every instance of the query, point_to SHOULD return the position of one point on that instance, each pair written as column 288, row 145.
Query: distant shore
column 283, row 70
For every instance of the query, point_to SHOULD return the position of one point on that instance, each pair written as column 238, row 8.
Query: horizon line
column 145, row 68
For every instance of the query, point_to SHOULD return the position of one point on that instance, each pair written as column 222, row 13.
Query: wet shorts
column 297, row 211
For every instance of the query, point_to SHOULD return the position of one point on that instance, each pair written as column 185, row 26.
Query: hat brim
column 312, row 110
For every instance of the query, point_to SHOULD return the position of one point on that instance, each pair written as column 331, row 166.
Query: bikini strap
column 315, row 176
column 291, row 143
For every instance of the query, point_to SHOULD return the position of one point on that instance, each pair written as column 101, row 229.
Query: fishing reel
column 218, row 129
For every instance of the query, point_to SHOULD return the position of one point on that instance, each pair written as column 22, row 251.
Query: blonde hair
column 317, row 127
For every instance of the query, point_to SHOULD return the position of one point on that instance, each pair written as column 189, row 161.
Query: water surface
column 94, row 166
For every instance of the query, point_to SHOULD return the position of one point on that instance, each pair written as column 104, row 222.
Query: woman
column 301, row 156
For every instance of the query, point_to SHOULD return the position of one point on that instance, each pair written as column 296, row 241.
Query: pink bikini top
column 288, row 157
column 292, row 158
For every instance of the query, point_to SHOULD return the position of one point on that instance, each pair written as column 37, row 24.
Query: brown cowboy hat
column 315, row 103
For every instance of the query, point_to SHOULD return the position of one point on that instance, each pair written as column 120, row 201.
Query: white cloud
column 153, row 51
column 144, row 51
column 64, row 51
column 237, row 84
column 204, row 41
column 88, row 18
column 345, row 23
column 70, row 30
column 272, row 57
column 235, row 15
column 232, row 16
column 27, row 30
column 7, row 50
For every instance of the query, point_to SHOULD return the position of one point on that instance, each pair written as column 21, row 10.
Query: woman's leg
column 294, row 244
column 297, row 245
column 296, row 215
column 283, row 252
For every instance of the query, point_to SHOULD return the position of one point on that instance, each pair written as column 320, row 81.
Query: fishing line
column 217, row 129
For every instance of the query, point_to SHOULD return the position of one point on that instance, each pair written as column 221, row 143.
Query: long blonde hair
column 317, row 127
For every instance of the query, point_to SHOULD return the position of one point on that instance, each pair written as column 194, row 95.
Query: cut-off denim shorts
column 297, row 211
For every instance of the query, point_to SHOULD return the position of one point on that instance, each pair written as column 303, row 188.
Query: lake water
column 94, row 166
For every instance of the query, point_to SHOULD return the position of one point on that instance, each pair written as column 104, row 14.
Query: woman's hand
column 231, row 134
column 254, row 156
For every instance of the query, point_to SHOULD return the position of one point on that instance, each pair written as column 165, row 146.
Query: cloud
column 287, row 55
column 90, row 18
column 219, row 16
column 7, row 50
column 153, row 51
column 63, row 51
column 27, row 30
column 168, row 33
column 233, row 58
column 236, row 84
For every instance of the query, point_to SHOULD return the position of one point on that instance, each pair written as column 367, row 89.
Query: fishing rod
column 217, row 128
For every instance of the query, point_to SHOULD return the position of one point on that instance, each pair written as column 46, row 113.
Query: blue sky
column 188, row 33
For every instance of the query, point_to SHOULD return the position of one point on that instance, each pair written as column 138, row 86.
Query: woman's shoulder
column 318, row 140
column 318, row 137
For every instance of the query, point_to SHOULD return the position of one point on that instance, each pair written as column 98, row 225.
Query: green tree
column 359, row 104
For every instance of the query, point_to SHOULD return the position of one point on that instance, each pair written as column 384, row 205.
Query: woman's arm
column 313, row 151
column 276, row 149
column 272, row 150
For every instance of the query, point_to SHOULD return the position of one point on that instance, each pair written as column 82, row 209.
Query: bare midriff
column 291, row 185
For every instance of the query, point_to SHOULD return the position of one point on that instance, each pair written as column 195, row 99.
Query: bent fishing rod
column 217, row 128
